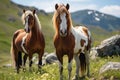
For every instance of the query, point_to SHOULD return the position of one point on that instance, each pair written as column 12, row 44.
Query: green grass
column 48, row 72
column 51, row 72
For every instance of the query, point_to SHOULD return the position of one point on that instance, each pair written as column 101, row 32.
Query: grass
column 48, row 72
column 51, row 72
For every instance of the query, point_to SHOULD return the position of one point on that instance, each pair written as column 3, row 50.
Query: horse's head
column 62, row 19
column 28, row 19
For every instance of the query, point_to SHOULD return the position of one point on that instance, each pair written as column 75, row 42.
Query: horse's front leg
column 61, row 68
column 30, row 61
column 40, row 54
column 24, row 61
column 60, row 58
column 70, row 57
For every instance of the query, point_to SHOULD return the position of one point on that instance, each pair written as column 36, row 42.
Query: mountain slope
column 95, row 18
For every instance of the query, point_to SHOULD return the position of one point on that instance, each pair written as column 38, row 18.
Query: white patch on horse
column 23, row 42
column 79, row 34
column 26, row 24
column 63, row 25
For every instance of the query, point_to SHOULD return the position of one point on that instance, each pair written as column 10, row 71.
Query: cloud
column 81, row 7
column 79, row 0
column 112, row 9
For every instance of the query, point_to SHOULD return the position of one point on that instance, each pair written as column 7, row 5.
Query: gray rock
column 110, row 66
column 93, row 53
column 51, row 58
column 109, row 47
column 7, row 65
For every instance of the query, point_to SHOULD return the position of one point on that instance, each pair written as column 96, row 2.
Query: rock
column 51, row 58
column 110, row 66
column 11, row 19
column 93, row 53
column 109, row 47
column 7, row 65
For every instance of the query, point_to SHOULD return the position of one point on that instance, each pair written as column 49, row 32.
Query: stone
column 51, row 58
column 93, row 53
column 109, row 47
column 110, row 66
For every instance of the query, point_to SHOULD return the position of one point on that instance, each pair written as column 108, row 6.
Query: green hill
column 10, row 21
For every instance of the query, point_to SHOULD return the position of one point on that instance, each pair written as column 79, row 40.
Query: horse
column 29, row 40
column 71, row 41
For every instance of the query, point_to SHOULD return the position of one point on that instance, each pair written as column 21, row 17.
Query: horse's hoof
column 75, row 77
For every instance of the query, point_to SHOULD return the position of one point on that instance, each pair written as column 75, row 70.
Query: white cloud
column 112, row 9
column 81, row 7
column 79, row 0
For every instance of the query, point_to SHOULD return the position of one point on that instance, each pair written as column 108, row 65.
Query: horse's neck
column 35, row 32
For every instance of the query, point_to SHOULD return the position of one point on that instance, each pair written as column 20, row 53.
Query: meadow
column 48, row 72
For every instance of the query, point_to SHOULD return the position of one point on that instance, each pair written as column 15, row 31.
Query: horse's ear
column 24, row 10
column 67, row 6
column 56, row 6
column 34, row 11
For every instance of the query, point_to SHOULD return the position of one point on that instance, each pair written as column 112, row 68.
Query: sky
column 111, row 7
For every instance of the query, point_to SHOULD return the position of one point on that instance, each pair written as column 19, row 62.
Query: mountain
column 96, row 18
column 10, row 21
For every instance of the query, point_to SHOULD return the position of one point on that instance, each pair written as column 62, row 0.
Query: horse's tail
column 12, row 54
column 82, row 63
column 12, row 50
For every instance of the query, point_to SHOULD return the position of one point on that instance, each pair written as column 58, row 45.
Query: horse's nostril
column 65, row 31
column 61, row 32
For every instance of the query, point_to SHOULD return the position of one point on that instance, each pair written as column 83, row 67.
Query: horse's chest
column 64, row 43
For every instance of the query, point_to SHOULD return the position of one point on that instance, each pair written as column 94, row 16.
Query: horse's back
column 81, row 35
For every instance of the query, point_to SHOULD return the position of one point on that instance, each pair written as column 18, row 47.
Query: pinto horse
column 29, row 40
column 72, row 41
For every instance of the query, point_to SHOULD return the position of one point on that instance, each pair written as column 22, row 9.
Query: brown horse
column 72, row 41
column 29, row 40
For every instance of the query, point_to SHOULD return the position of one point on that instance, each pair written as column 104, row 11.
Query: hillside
column 96, row 18
column 10, row 21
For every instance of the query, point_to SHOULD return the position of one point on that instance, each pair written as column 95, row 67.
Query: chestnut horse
column 72, row 41
column 29, row 40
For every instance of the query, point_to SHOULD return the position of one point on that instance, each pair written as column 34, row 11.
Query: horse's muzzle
column 27, row 30
column 63, row 34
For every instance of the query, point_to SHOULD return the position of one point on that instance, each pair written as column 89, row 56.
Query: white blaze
column 63, row 25
column 26, row 24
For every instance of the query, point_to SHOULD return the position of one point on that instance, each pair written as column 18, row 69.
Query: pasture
column 48, row 72
column 51, row 72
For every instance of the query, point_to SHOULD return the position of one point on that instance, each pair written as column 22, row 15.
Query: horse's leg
column 16, row 61
column 70, row 57
column 20, row 58
column 30, row 61
column 24, row 61
column 40, row 54
column 77, row 61
column 61, row 68
column 87, row 62
column 60, row 58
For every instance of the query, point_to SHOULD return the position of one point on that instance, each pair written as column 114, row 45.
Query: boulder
column 7, row 65
column 51, row 58
column 110, row 66
column 109, row 47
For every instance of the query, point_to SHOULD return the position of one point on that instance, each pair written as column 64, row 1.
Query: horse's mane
column 56, row 13
column 37, row 22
